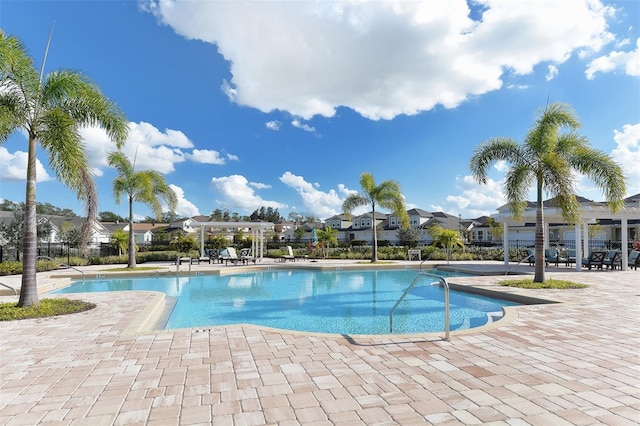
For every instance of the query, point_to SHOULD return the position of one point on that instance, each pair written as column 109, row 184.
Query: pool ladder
column 518, row 264
column 444, row 284
column 64, row 264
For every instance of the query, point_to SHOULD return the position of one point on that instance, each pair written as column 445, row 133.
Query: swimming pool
column 341, row 302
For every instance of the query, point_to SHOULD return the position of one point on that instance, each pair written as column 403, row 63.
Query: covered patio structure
column 255, row 229
column 591, row 213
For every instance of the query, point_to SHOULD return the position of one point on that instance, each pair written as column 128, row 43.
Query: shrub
column 10, row 268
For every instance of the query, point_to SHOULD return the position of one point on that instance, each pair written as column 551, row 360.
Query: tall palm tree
column 386, row 195
column 50, row 109
column 549, row 159
column 146, row 186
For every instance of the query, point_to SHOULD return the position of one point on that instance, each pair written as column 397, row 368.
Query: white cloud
column 273, row 125
column 184, row 208
column 13, row 167
column 259, row 185
column 628, row 61
column 317, row 203
column 236, row 192
column 627, row 154
column 303, row 126
column 149, row 147
column 518, row 86
column 205, row 156
column 475, row 199
column 501, row 166
column 382, row 58
column 552, row 72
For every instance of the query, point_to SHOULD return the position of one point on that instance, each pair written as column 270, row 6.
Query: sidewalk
column 575, row 362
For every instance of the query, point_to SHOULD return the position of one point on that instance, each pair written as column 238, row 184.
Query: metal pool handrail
column 518, row 264
column 63, row 264
column 15, row 292
column 444, row 283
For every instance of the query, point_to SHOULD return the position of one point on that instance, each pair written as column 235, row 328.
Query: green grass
column 46, row 308
column 550, row 283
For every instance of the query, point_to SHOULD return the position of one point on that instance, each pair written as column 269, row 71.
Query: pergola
column 255, row 228
column 590, row 214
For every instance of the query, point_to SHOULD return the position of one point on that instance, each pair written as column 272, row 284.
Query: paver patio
column 574, row 363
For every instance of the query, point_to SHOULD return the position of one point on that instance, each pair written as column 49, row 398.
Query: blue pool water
column 342, row 302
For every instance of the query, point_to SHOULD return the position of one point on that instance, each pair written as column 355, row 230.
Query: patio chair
column 594, row 259
column 612, row 259
column 288, row 256
column 245, row 256
column 634, row 259
column 229, row 255
column 531, row 257
column 205, row 258
column 570, row 257
column 553, row 256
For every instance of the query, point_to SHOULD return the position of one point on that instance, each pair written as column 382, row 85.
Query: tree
column 549, row 159
column 495, row 228
column 145, row 186
column 50, row 109
column 266, row 214
column 409, row 236
column 219, row 215
column 299, row 233
column 69, row 233
column 120, row 241
column 12, row 233
column 184, row 243
column 446, row 238
column 386, row 195
column 327, row 237
column 110, row 217
column 49, row 209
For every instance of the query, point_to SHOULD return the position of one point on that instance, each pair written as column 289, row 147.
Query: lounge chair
column 245, row 256
column 553, row 256
column 210, row 255
column 531, row 257
column 594, row 259
column 289, row 256
column 634, row 259
column 229, row 255
column 612, row 259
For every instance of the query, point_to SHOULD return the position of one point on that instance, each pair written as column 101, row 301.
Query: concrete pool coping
column 574, row 362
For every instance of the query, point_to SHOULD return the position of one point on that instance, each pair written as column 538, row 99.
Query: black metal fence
column 66, row 250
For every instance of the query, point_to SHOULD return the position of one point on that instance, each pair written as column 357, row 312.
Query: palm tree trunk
column 132, row 240
column 374, row 243
column 539, row 240
column 29, row 287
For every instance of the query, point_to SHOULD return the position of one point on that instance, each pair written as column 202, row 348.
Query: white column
column 578, row 248
column 625, row 244
column 505, row 242
column 201, row 240
column 585, row 243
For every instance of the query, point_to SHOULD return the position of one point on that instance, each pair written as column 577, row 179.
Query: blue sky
column 284, row 104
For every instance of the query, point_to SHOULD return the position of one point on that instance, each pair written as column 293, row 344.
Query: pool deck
column 571, row 363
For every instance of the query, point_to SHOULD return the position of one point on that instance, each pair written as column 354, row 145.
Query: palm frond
column 490, row 152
